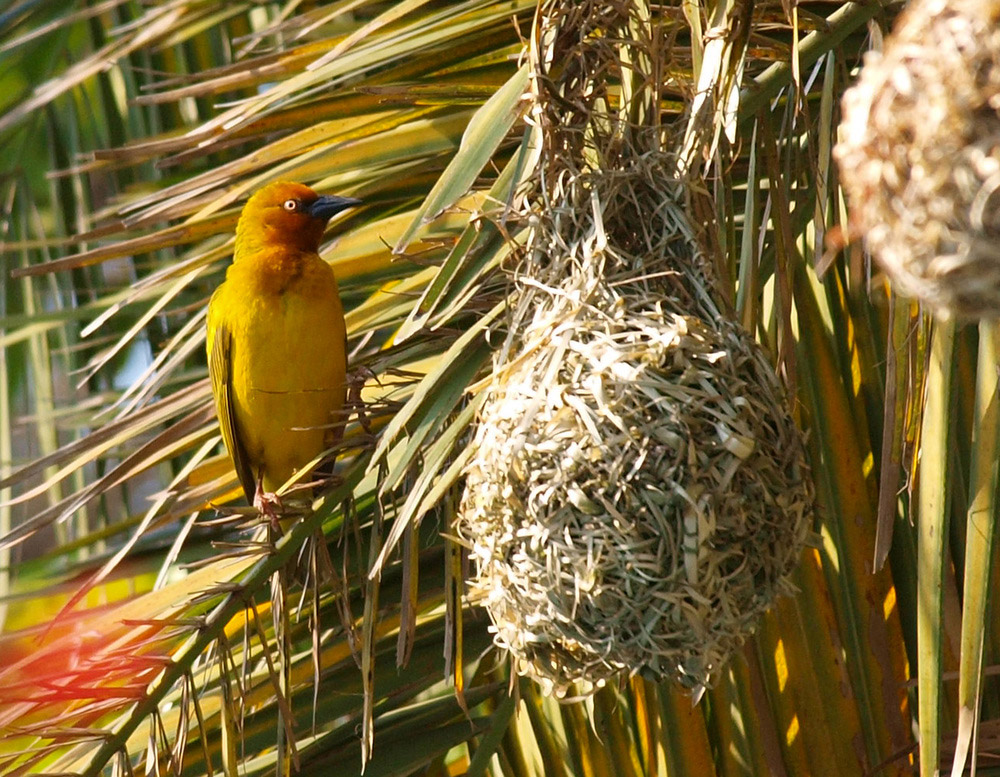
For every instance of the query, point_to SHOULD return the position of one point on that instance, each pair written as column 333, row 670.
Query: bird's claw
column 269, row 506
column 355, row 382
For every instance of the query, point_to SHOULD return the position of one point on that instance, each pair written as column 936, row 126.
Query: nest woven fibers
column 638, row 492
column 920, row 155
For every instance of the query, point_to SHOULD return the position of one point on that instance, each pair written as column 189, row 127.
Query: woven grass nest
column 920, row 155
column 639, row 493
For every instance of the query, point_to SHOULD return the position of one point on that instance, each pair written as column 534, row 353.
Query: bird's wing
column 220, row 368
column 336, row 432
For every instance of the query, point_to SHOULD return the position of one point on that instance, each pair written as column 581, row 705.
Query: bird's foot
column 355, row 382
column 269, row 506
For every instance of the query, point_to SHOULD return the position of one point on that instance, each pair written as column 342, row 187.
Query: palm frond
column 198, row 649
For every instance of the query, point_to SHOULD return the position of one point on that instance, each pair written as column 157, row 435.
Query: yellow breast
column 288, row 358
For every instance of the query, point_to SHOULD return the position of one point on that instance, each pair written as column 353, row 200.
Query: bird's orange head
column 286, row 214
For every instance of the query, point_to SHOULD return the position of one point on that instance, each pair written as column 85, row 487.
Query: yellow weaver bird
column 277, row 343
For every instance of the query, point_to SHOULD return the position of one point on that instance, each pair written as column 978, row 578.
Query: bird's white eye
column 290, row 205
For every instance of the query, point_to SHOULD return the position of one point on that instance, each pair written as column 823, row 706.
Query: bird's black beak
column 328, row 206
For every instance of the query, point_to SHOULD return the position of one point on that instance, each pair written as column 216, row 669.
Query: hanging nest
column 638, row 492
column 638, row 496
column 920, row 155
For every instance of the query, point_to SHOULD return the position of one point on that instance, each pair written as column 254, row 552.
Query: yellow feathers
column 277, row 345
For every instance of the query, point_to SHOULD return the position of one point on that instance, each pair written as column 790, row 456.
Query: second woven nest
column 919, row 155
